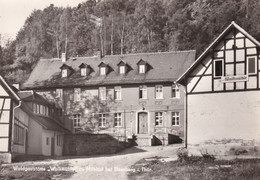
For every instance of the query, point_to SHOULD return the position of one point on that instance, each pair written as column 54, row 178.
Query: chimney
column 63, row 57
column 98, row 54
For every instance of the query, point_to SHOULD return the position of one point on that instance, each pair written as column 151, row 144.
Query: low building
column 223, row 90
column 119, row 95
column 24, row 130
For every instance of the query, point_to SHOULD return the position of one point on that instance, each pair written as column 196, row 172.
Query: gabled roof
column 224, row 33
column 121, row 63
column 65, row 66
column 9, row 89
column 167, row 67
column 83, row 65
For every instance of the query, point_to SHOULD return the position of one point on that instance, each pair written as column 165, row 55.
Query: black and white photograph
column 129, row 89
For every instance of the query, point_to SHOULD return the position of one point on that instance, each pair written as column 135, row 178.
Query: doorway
column 142, row 123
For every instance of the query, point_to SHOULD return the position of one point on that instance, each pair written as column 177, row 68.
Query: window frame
column 158, row 116
column 122, row 69
column 176, row 122
column 83, row 71
column 102, row 93
column 118, row 119
column 102, row 120
column 77, row 94
column 247, row 65
column 76, row 118
column 142, row 69
column 103, row 71
column 222, row 70
column 158, row 94
column 176, row 91
column 64, row 73
column 118, row 93
column 143, row 92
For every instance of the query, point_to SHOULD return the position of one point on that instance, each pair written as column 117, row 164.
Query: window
column 77, row 94
column 251, row 65
column 175, row 91
column 47, row 111
column 102, row 120
column 118, row 93
column 64, row 73
column 34, row 108
column 175, row 118
column 122, row 69
column 143, row 92
column 38, row 109
column 158, row 92
column 102, row 93
column 141, row 68
column 59, row 140
column 158, row 118
column 102, row 70
column 118, row 119
column 18, row 133
column 218, row 67
column 47, row 141
column 76, row 120
column 83, row 71
column 59, row 93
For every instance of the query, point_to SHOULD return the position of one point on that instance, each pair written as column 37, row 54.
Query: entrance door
column 52, row 146
column 142, row 123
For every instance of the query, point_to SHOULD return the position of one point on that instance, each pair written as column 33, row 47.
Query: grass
column 197, row 168
column 39, row 172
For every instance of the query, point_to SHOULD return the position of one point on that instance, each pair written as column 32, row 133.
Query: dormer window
column 84, row 69
column 122, row 67
column 142, row 67
column 65, row 70
column 103, row 69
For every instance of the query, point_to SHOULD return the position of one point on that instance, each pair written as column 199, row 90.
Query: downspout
column 186, row 118
column 12, row 138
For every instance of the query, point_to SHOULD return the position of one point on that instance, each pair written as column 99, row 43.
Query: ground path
column 117, row 166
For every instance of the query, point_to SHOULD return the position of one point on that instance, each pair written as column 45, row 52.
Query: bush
column 182, row 154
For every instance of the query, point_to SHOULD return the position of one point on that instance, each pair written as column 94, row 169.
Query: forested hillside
column 123, row 26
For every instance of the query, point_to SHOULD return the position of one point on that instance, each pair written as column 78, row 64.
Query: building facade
column 223, row 97
column 24, row 131
column 120, row 95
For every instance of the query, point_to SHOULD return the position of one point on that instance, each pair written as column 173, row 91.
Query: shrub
column 182, row 154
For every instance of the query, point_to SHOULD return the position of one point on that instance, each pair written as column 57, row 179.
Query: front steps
column 144, row 140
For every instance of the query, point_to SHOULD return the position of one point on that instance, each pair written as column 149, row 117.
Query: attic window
column 251, row 65
column 141, row 69
column 122, row 69
column 64, row 73
column 83, row 71
column 218, row 68
column 102, row 71
column 103, row 68
column 142, row 66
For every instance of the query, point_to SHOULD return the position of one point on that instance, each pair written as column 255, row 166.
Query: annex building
column 223, row 90
column 126, row 96
column 29, row 125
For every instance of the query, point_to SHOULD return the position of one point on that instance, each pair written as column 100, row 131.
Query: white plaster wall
column 223, row 115
column 34, row 138
column 46, row 149
column 4, row 144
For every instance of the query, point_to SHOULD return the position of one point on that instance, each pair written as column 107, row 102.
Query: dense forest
column 123, row 26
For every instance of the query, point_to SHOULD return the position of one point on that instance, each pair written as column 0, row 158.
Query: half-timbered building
column 28, row 125
column 223, row 90
column 119, row 95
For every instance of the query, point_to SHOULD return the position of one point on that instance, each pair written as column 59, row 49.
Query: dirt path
column 117, row 166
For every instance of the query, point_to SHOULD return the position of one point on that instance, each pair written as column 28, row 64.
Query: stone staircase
column 144, row 140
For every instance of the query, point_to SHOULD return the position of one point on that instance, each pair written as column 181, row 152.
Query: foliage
column 129, row 26
column 182, row 154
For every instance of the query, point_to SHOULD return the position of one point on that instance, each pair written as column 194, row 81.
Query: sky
column 13, row 13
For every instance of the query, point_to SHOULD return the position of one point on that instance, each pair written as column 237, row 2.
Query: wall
column 220, row 116
column 46, row 149
column 90, row 144
column 129, row 106
column 35, row 143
